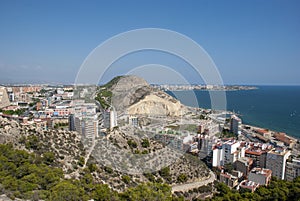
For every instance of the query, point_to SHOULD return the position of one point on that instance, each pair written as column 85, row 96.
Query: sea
column 273, row 107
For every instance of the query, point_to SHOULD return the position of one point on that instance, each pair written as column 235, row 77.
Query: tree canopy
column 30, row 176
column 277, row 190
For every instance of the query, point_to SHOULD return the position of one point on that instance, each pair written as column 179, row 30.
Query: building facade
column 292, row 169
column 230, row 151
column 276, row 161
column 244, row 165
column 87, row 126
column 235, row 124
column 229, row 180
column 260, row 175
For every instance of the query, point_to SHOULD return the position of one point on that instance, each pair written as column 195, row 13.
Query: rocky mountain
column 134, row 96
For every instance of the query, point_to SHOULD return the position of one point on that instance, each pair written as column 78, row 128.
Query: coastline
column 271, row 131
column 261, row 108
column 252, row 126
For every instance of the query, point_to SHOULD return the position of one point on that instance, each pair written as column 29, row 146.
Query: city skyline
column 251, row 42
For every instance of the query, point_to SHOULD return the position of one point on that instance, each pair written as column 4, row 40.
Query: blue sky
column 251, row 41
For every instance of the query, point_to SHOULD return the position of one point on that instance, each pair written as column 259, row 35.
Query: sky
column 251, row 42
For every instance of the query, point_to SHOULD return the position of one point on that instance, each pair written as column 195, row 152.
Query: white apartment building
column 276, row 161
column 110, row 118
column 87, row 126
column 231, row 151
column 292, row 169
column 217, row 156
column 228, row 152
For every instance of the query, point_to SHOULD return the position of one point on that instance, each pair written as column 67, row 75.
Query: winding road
column 189, row 186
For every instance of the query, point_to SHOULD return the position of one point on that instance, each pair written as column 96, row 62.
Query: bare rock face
column 157, row 106
column 127, row 91
column 4, row 100
column 135, row 96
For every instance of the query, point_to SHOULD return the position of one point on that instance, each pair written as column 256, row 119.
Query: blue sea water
column 273, row 107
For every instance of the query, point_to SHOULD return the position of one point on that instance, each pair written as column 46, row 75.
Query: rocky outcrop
column 133, row 95
column 4, row 100
column 129, row 82
column 156, row 106
column 65, row 145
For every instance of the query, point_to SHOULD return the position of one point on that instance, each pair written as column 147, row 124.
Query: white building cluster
column 227, row 152
column 256, row 162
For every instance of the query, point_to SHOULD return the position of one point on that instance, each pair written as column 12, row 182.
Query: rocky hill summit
column 134, row 96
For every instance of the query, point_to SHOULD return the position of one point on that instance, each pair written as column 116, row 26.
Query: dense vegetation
column 104, row 93
column 27, row 175
column 112, row 82
column 30, row 176
column 227, row 134
column 277, row 190
column 61, row 124
column 104, row 98
column 13, row 112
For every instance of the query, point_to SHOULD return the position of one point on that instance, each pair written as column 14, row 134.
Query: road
column 189, row 186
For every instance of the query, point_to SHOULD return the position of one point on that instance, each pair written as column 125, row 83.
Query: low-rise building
column 58, row 112
column 260, row 175
column 244, row 165
column 133, row 121
column 249, row 185
column 287, row 141
column 229, row 180
column 237, row 173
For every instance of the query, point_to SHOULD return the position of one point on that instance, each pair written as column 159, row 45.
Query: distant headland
column 180, row 87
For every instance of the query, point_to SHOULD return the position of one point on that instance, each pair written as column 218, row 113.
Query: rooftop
column 262, row 171
column 283, row 138
column 278, row 151
column 230, row 142
column 261, row 131
column 246, row 160
column 227, row 175
column 254, row 151
column 249, row 184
